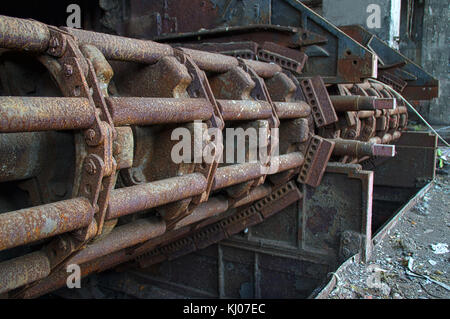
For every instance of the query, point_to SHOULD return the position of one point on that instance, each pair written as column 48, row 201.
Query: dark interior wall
column 52, row 12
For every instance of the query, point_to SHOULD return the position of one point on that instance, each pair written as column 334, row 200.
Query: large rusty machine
column 86, row 123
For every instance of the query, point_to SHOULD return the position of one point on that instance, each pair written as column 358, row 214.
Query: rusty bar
column 365, row 114
column 212, row 207
column 213, row 62
column 136, row 198
column 122, row 237
column 28, row 114
column 120, row 48
column 144, row 229
column 147, row 111
column 217, row 205
column 21, row 34
column 245, row 110
column 30, row 224
column 263, row 69
column 59, row 278
column 292, row 110
column 23, row 270
column 219, row 63
column 288, row 161
column 255, row 194
column 234, row 174
column 359, row 149
column 346, row 103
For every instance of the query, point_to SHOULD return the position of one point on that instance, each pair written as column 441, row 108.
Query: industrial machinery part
column 87, row 136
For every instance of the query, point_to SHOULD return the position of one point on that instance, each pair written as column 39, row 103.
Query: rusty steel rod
column 120, row 48
column 22, row 270
column 121, row 237
column 213, row 206
column 234, row 174
column 59, row 278
column 219, row 63
column 137, row 198
column 346, row 103
column 359, row 149
column 147, row 111
column 292, row 110
column 213, row 62
column 253, row 110
column 21, row 34
column 263, row 69
column 28, row 114
column 245, row 110
column 31, row 224
column 142, row 230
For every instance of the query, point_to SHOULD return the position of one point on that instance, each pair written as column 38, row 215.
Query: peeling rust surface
column 148, row 111
column 21, row 34
column 140, row 197
column 31, row 114
column 24, row 269
column 31, row 224
column 121, row 48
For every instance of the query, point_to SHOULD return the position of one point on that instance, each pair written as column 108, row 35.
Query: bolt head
column 89, row 135
column 90, row 167
column 53, row 42
column 68, row 70
column 137, row 176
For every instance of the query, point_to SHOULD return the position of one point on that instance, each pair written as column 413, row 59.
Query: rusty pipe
column 244, row 110
column 148, row 111
column 22, row 34
column 212, row 207
column 359, row 149
column 128, row 200
column 254, row 195
column 31, row 224
column 219, row 63
column 263, row 69
column 121, row 237
column 142, row 230
column 22, row 270
column 254, row 110
column 120, row 48
column 234, row 174
column 59, row 278
column 28, row 114
column 292, row 110
column 347, row 103
column 213, row 62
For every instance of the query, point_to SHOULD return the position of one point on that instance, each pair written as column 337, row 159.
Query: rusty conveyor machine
column 86, row 171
